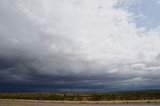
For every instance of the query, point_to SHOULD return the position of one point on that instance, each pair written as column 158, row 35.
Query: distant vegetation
column 132, row 95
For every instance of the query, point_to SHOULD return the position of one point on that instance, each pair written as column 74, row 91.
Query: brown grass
column 86, row 102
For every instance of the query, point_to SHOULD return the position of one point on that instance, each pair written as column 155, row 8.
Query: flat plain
column 11, row 102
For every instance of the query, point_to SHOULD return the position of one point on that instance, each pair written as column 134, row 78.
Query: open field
column 7, row 102
column 83, row 102
column 132, row 98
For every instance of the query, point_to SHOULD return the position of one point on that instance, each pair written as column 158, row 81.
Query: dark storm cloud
column 45, row 47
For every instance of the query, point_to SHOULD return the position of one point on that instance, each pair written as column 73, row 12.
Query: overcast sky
column 79, row 45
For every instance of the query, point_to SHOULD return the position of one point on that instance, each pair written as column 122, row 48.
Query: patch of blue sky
column 146, row 12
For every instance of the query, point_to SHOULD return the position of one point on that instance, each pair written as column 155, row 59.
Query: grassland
column 83, row 102
column 111, row 97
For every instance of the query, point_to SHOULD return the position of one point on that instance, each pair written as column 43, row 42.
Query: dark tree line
column 132, row 95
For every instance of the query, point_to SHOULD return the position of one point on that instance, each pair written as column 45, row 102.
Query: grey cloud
column 47, row 50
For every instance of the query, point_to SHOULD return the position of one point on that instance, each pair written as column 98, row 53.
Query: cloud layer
column 75, row 44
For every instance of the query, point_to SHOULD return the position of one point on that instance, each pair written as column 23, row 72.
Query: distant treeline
column 132, row 95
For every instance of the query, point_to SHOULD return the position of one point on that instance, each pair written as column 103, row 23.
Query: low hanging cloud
column 75, row 44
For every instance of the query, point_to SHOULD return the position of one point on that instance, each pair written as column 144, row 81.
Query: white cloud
column 79, row 37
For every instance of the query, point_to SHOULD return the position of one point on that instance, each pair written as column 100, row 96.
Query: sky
column 79, row 45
